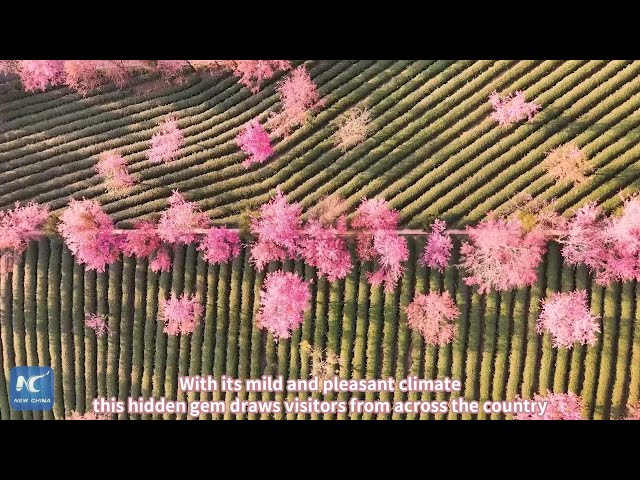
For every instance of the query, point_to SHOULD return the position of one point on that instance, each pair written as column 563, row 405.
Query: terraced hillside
column 434, row 151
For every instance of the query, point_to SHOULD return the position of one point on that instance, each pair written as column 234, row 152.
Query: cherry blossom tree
column 433, row 316
column 177, row 223
column 567, row 164
column 40, row 74
column 142, row 240
column 511, row 108
column 84, row 75
column 173, row 71
column 254, row 141
column 283, row 300
column 299, row 97
column 502, row 255
column 20, row 225
column 566, row 316
column 180, row 314
column 220, row 245
column 116, row 175
column 97, row 323
column 88, row 232
column 166, row 142
column 633, row 412
column 437, row 250
column 610, row 247
column 278, row 229
column 378, row 240
column 353, row 128
column 324, row 248
column 560, row 406
column 161, row 261
column 252, row 73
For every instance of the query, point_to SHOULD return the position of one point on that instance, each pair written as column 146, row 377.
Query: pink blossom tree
column 324, row 248
column 180, row 314
column 116, row 175
column 283, row 300
column 88, row 232
column 173, row 71
column 299, row 97
column 610, row 247
column 278, row 229
column 511, row 108
column 220, row 245
column 433, row 316
column 177, row 223
column 437, row 250
column 84, row 75
column 566, row 316
column 252, row 73
column 97, row 323
column 166, row 142
column 560, row 406
column 567, row 164
column 378, row 240
column 20, row 225
column 254, row 141
column 502, row 255
column 40, row 74
column 161, row 261
column 142, row 240
column 633, row 412
column 353, row 128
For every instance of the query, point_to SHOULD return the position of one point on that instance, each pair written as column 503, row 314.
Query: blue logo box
column 31, row 388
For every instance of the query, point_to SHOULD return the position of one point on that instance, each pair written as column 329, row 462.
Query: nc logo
column 31, row 388
column 30, row 383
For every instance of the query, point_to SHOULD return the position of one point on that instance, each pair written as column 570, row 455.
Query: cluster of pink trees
column 500, row 254
column 87, row 75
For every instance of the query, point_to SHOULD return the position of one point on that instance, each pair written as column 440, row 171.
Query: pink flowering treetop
column 433, row 316
column 180, row 315
column 378, row 240
column 252, row 73
column 278, row 229
column 566, row 316
column 113, row 168
column 502, row 255
column 511, row 108
column 97, row 323
column 560, row 406
column 88, row 232
column 142, row 240
column 324, row 248
column 633, row 412
column 85, row 75
column 391, row 250
column 220, row 245
column 161, row 261
column 40, row 74
column 172, row 70
column 177, row 223
column 437, row 250
column 283, row 300
column 299, row 97
column 166, row 142
column 254, row 141
column 20, row 225
column 610, row 247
